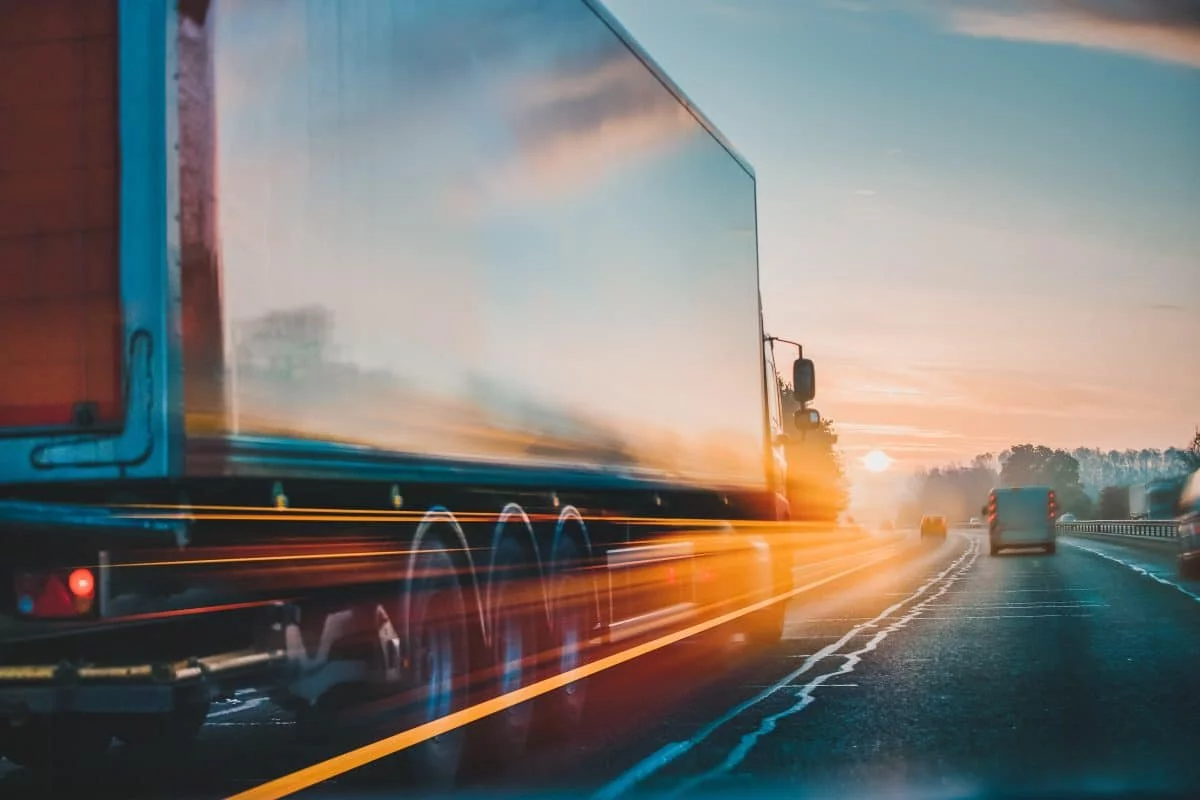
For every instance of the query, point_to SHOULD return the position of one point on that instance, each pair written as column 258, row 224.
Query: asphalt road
column 940, row 671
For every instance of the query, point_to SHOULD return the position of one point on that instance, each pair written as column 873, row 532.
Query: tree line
column 1090, row 483
column 817, row 488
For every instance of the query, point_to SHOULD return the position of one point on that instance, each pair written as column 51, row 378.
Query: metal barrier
column 1140, row 529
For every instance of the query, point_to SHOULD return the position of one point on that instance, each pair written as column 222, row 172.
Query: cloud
column 899, row 431
column 1170, row 307
column 930, row 413
column 1160, row 30
column 865, row 192
column 571, row 127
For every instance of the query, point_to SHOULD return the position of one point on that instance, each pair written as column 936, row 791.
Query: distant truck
column 1157, row 499
column 350, row 352
column 1139, row 507
column 1189, row 528
column 1022, row 516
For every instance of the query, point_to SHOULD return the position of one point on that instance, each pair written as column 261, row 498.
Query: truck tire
column 765, row 628
column 517, row 606
column 439, row 649
column 1051, row 549
column 560, row 713
column 61, row 745
column 163, row 734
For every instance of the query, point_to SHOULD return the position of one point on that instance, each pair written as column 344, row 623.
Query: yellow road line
column 353, row 759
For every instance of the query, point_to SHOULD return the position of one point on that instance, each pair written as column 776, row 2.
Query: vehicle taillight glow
column 56, row 595
column 81, row 583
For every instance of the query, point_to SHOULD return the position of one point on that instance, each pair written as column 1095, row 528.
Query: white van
column 1022, row 516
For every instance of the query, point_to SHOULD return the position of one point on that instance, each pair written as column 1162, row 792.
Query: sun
column 877, row 461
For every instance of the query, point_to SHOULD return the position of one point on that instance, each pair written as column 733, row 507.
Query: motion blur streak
column 242, row 513
column 371, row 548
column 330, row 768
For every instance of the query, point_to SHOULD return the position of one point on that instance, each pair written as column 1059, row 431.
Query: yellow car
column 933, row 525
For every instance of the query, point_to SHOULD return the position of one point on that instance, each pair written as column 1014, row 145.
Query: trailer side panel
column 477, row 230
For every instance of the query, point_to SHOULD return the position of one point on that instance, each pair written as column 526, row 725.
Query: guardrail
column 1140, row 529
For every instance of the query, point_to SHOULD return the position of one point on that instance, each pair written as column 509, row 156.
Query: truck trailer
column 398, row 351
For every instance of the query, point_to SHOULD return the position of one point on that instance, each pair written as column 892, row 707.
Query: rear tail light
column 1053, row 506
column 56, row 594
column 82, row 583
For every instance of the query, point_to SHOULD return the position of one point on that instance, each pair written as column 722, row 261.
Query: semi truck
column 375, row 355
column 1156, row 499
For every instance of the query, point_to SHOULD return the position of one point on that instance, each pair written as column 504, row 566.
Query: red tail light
column 81, row 583
column 56, row 595
column 1053, row 506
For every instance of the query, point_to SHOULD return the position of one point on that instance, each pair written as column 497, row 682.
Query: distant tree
column 1190, row 456
column 1037, row 465
column 909, row 514
column 817, row 486
column 1114, row 503
column 957, row 492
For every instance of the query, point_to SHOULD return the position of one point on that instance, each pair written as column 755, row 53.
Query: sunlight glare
column 877, row 461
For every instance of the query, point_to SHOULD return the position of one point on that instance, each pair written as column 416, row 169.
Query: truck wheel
column 1051, row 549
column 163, row 733
column 62, row 744
column 765, row 628
column 516, row 601
column 439, row 651
column 7, row 734
column 560, row 713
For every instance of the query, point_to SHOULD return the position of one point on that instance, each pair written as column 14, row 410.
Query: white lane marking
column 802, row 685
column 246, row 706
column 1023, row 606
column 805, row 696
column 1010, row 616
column 668, row 753
column 1016, row 591
column 1141, row 570
column 790, row 637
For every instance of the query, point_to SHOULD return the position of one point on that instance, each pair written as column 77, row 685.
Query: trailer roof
column 625, row 36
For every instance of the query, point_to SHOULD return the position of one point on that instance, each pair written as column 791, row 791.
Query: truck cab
column 804, row 420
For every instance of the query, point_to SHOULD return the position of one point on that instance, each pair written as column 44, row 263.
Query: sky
column 982, row 218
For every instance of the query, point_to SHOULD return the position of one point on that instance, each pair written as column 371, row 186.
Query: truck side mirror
column 804, row 380
column 807, row 419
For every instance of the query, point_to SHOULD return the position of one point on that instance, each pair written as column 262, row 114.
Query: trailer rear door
column 60, row 314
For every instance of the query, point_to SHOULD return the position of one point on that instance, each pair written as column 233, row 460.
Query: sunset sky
column 982, row 218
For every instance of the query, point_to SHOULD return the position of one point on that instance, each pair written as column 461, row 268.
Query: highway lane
column 940, row 669
column 1021, row 674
